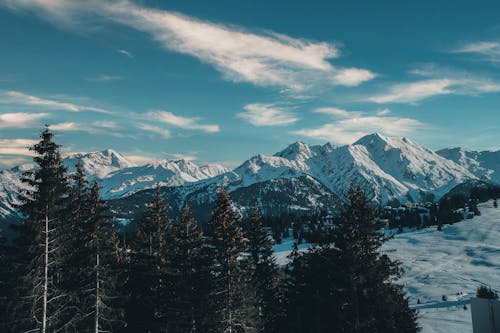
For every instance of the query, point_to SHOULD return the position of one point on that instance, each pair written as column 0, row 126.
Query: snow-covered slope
column 126, row 181
column 98, row 164
column 484, row 164
column 384, row 167
column 453, row 262
column 116, row 175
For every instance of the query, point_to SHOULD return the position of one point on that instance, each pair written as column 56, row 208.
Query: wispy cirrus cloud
column 337, row 112
column 16, row 146
column 126, row 53
column 20, row 98
column 354, row 124
column 267, row 115
column 20, row 119
column 67, row 126
column 182, row 122
column 352, row 77
column 488, row 50
column 104, row 78
column 264, row 58
column 414, row 91
column 436, row 81
column 349, row 130
column 155, row 129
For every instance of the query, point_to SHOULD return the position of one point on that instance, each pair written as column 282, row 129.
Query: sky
column 223, row 80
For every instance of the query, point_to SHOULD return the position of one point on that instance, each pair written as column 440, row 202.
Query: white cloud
column 105, row 124
column 182, row 156
column 7, row 162
column 16, row 146
column 20, row 119
column 347, row 131
column 267, row 115
column 489, row 50
column 264, row 58
column 67, row 126
column 182, row 122
column 16, row 97
column 414, row 91
column 352, row 76
column 104, row 78
column 140, row 159
column 336, row 112
column 156, row 129
column 126, row 53
column 383, row 112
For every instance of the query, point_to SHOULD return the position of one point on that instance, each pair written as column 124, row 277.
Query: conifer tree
column 374, row 301
column 104, row 300
column 230, row 300
column 264, row 271
column 144, row 274
column 187, row 268
column 40, row 243
column 346, row 284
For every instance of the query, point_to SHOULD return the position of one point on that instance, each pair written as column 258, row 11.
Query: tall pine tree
column 265, row 274
column 145, row 280
column 187, row 269
column 232, row 301
column 41, row 298
column 346, row 284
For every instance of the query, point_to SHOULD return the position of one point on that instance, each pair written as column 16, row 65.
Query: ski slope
column 453, row 262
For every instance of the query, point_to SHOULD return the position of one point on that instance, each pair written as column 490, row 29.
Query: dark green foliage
column 264, row 272
column 348, row 287
column 232, row 300
column 486, row 292
column 144, row 282
column 186, row 267
column 39, row 255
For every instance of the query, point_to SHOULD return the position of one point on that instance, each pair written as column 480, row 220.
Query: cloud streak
column 267, row 115
column 20, row 119
column 264, row 58
column 348, row 130
column 17, row 97
column 182, row 122
column 489, row 50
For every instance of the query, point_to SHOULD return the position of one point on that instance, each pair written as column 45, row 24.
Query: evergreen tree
column 144, row 275
column 374, row 302
column 39, row 245
column 346, row 285
column 187, row 268
column 104, row 301
column 264, row 271
column 230, row 296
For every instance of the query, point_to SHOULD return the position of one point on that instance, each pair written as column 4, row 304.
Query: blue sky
column 223, row 80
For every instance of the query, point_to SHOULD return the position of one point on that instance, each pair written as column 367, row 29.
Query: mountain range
column 301, row 177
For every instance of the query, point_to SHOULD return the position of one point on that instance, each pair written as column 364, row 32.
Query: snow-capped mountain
column 483, row 164
column 386, row 168
column 126, row 181
column 98, row 164
column 114, row 172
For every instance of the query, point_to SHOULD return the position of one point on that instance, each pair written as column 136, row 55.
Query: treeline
column 69, row 271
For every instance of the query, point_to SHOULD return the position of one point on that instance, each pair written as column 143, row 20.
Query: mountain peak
column 296, row 150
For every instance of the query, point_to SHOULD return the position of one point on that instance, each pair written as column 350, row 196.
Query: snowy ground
column 453, row 262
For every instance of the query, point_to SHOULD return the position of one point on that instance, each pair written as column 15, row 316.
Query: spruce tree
column 187, row 268
column 230, row 298
column 39, row 244
column 104, row 301
column 144, row 274
column 264, row 271
column 346, row 284
column 373, row 301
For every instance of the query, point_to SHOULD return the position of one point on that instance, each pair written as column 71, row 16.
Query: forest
column 69, row 269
